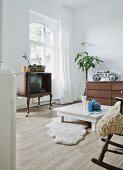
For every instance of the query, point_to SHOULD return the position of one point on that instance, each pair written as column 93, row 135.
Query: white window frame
column 53, row 26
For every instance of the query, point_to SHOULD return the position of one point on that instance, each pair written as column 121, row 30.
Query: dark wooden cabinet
column 32, row 85
column 104, row 91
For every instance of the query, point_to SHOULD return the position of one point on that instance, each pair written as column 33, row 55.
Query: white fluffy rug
column 66, row 133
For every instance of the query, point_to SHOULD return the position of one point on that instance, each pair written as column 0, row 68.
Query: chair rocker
column 107, row 140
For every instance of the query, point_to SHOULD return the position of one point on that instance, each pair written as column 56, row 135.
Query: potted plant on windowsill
column 86, row 61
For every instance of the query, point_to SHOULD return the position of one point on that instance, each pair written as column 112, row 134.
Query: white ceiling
column 71, row 4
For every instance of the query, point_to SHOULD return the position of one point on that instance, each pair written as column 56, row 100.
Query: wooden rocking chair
column 108, row 141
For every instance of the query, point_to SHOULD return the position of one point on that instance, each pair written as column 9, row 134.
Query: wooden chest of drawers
column 104, row 91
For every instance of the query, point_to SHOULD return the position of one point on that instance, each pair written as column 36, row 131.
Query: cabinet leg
column 50, row 100
column 38, row 102
column 28, row 102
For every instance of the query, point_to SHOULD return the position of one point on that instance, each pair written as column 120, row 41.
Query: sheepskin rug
column 66, row 133
column 111, row 122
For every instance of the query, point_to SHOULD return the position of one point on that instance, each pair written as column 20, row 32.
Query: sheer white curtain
column 66, row 55
column 1, row 17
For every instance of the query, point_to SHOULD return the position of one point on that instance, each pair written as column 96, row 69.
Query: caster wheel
column 27, row 115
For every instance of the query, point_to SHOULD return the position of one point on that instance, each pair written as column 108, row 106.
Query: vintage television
column 33, row 83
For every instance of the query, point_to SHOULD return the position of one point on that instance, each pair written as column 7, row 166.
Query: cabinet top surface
column 33, row 73
column 105, row 82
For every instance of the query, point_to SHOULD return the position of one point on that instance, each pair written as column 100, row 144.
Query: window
column 42, row 46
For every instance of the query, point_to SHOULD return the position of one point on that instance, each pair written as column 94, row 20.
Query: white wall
column 17, row 28
column 0, row 30
column 101, row 23
column 16, row 34
column 17, row 31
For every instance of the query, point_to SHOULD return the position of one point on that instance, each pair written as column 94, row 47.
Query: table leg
column 93, row 127
column 38, row 102
column 28, row 101
column 50, row 100
column 62, row 118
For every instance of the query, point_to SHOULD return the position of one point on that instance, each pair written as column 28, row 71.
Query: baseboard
column 21, row 103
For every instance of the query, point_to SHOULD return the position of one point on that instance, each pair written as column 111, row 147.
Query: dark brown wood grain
column 24, row 89
column 117, row 86
column 103, row 101
column 99, row 93
column 104, row 91
column 99, row 85
column 116, row 94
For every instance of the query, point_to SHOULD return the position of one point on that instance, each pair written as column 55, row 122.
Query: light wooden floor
column 37, row 151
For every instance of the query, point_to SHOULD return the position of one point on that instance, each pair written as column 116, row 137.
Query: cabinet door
column 117, row 86
column 116, row 94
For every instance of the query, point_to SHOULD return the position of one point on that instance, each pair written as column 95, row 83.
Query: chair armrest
column 119, row 99
column 121, row 106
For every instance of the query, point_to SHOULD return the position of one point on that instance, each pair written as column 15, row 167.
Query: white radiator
column 57, row 89
column 7, row 121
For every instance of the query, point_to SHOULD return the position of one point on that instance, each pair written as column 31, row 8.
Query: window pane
column 48, row 36
column 36, row 32
column 36, row 54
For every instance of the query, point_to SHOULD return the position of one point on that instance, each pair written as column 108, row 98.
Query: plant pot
column 83, row 98
column 84, row 101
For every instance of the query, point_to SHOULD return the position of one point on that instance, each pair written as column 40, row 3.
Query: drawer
column 117, row 86
column 99, row 86
column 102, row 101
column 117, row 94
column 99, row 93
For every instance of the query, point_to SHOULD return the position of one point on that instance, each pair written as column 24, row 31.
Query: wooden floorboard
column 37, row 151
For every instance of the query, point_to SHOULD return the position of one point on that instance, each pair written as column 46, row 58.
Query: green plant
column 86, row 61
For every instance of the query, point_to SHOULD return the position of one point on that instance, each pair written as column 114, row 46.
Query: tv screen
column 35, row 83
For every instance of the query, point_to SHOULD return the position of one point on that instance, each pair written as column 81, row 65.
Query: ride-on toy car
column 106, row 74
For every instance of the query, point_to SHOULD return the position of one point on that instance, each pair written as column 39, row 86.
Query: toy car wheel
column 96, row 77
column 112, row 77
